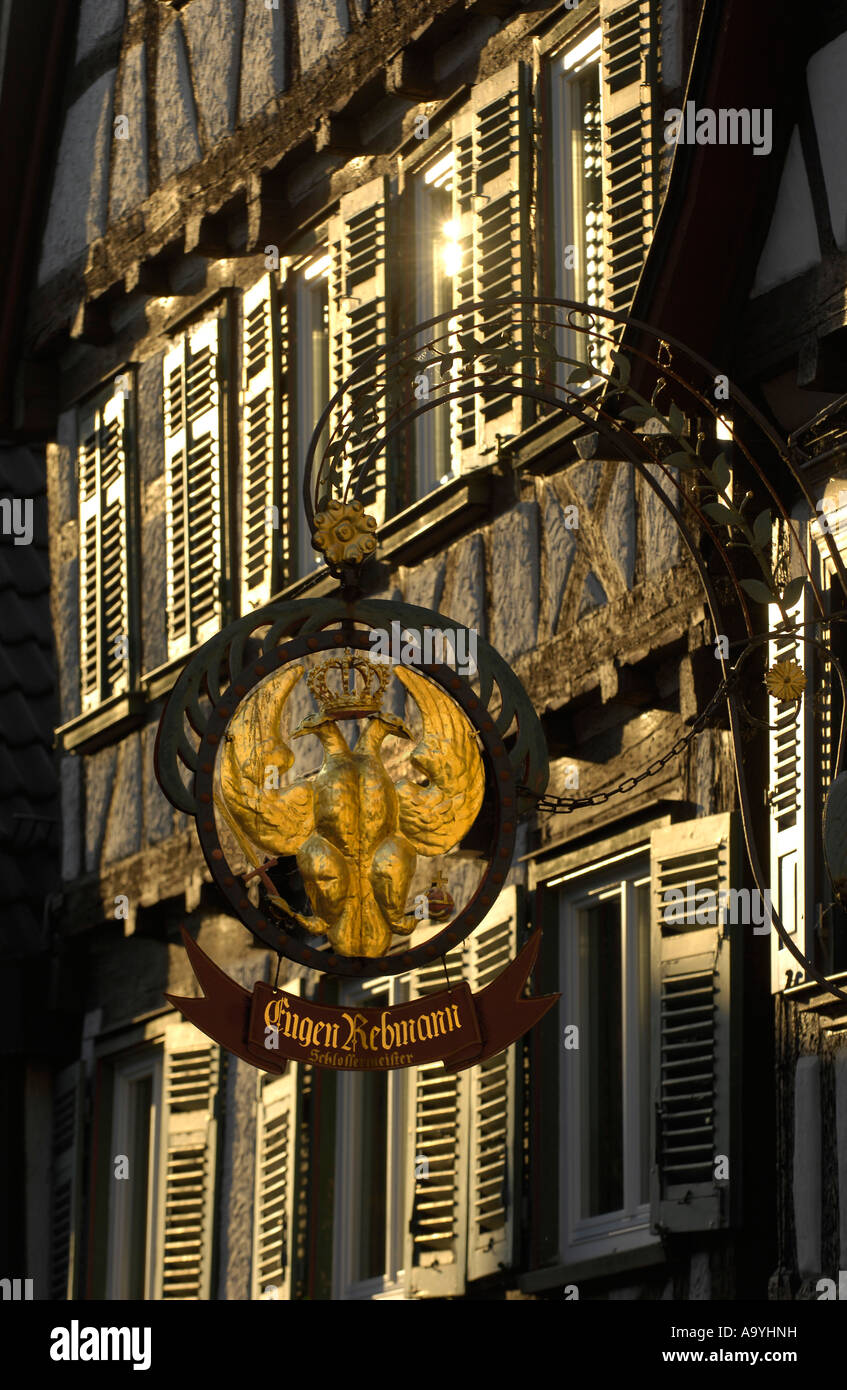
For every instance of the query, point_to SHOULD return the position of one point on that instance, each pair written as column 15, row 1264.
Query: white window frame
column 582, row 1238
column 568, row 218
column 128, row 1070
column 390, row 1284
column 307, row 275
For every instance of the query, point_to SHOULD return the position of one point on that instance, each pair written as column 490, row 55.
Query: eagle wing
column 276, row 819
column 435, row 816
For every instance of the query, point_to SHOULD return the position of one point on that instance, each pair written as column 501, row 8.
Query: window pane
column 433, row 270
column 642, row 936
column 372, row 1175
column 311, row 352
column 601, row 1011
column 140, row 1102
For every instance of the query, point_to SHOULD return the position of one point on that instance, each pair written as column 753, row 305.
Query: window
column 436, row 260
column 649, row 1060
column 195, row 495
column 577, row 186
column 605, row 1114
column 154, row 1107
column 106, row 526
column 371, row 1169
column 136, row 1118
column 311, row 385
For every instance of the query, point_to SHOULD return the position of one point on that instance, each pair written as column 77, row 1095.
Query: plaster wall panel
column 424, row 584
column 658, row 534
column 619, row 521
column 178, row 140
column 99, row 783
column 97, row 18
column 828, row 95
column 71, row 776
column 807, row 1164
column 61, row 472
column 262, row 58
column 154, row 637
column 158, row 812
column 792, row 244
column 213, row 32
column 79, row 194
column 559, row 547
column 65, row 614
column 123, row 827
column 238, row 1157
column 129, row 157
column 513, row 557
column 464, row 591
column 841, row 1138
column 151, row 435
column 322, row 26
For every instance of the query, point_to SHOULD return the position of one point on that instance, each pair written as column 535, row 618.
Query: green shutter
column 193, row 488
column 188, row 1160
column 629, row 46
column 692, row 1035
column 492, row 1178
column 105, row 662
column 790, row 770
column 273, row 1201
column 66, row 1155
column 437, row 1110
column 264, row 548
column 358, row 307
column 491, row 207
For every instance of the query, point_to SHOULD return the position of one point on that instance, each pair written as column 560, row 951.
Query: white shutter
column 264, row 416
column 691, row 1052
column 358, row 239
column 629, row 46
column 463, row 409
column 188, row 1159
column 273, row 1205
column 193, row 484
column 437, row 1111
column 176, row 552
column 89, row 527
column 104, row 560
column 492, row 1178
column 491, row 207
column 789, row 798
column 66, row 1156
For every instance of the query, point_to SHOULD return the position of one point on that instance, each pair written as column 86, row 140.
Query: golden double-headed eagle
column 355, row 833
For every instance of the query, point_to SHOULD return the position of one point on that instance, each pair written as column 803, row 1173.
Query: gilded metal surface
column 344, row 532
column 356, row 835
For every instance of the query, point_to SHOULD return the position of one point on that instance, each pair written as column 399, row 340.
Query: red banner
column 269, row 1027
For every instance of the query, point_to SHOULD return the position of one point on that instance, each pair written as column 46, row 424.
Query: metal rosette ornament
column 345, row 863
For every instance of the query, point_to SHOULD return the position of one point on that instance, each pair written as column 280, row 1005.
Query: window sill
column 644, row 1257
column 97, row 727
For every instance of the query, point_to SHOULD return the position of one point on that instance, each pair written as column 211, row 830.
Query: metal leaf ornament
column 835, row 837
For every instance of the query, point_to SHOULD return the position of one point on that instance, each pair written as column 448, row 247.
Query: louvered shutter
column 273, row 1208
column 437, row 1111
column 104, row 562
column 193, row 488
column 628, row 54
column 491, row 206
column 691, row 1057
column 358, row 289
column 188, row 1156
column 463, row 408
column 492, row 1177
column 264, row 414
column 66, row 1154
column 789, row 774
column 89, row 578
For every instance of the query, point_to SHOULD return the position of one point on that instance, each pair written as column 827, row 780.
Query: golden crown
column 358, row 689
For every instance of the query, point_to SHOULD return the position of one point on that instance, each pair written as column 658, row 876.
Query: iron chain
column 564, row 804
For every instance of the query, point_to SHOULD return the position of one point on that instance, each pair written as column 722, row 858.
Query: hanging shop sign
column 330, row 868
